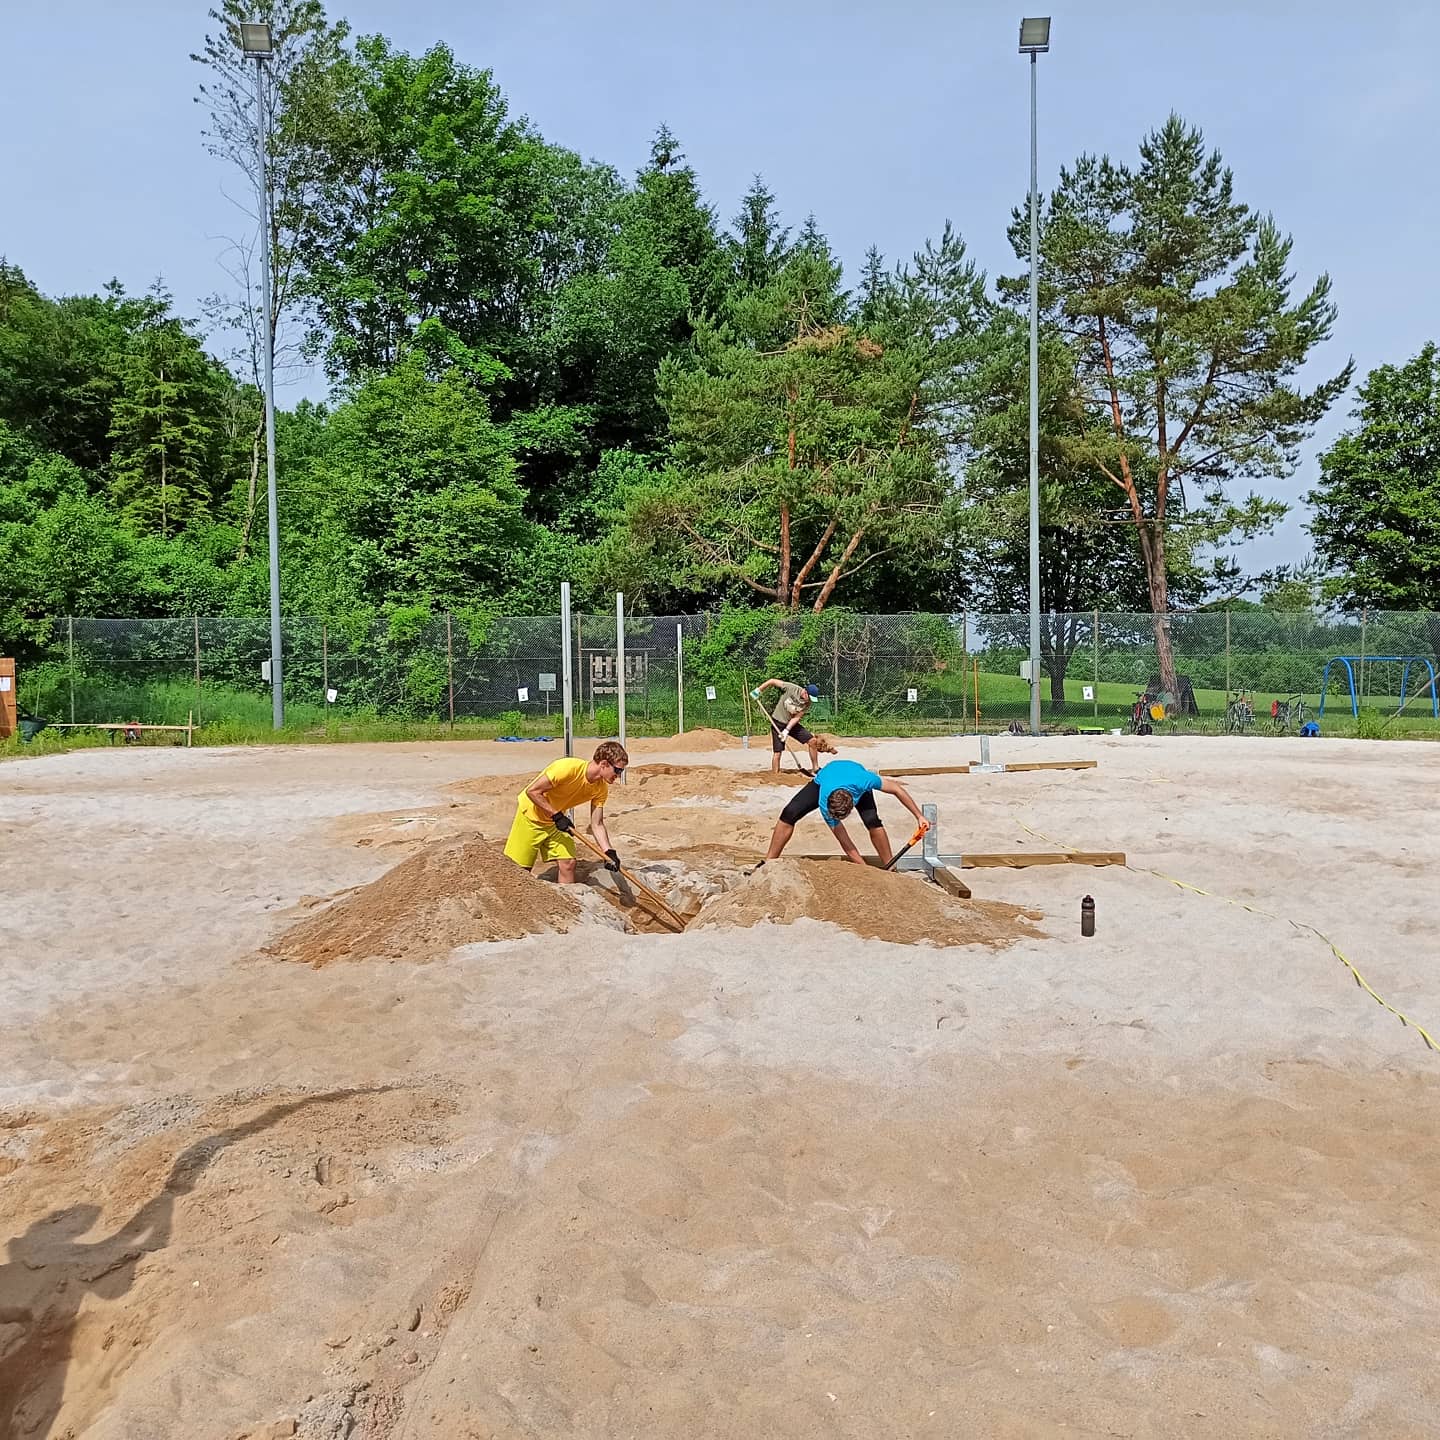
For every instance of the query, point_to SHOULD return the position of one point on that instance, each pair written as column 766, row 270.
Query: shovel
column 665, row 912
column 910, row 844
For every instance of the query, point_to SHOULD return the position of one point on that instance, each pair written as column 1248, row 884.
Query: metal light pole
column 1034, row 40
column 256, row 42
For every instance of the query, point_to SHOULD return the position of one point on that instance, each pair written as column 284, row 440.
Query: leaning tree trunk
column 1152, row 547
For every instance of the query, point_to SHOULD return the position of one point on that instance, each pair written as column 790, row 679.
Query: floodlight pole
column 1034, row 415
column 277, row 688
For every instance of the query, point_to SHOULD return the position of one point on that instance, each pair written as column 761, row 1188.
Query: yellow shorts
column 531, row 841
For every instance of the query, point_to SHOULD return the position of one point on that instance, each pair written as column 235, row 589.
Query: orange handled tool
column 910, row 844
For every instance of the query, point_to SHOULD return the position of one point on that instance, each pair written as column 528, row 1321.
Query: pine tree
column 758, row 244
column 164, row 427
column 1176, row 300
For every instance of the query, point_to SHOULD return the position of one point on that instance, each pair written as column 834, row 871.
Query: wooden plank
column 900, row 774
column 1023, row 859
column 948, row 880
column 1052, row 765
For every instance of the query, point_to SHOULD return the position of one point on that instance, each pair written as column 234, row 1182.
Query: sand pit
column 427, row 905
column 903, row 908
column 1170, row 1180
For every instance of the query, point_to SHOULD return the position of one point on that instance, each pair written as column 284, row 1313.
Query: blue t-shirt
column 844, row 775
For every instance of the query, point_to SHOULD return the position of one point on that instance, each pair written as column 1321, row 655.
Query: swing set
column 1404, row 661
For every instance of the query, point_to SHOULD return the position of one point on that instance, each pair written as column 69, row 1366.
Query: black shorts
column 807, row 799
column 798, row 733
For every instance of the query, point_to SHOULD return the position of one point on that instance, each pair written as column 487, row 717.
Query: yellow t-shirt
column 568, row 788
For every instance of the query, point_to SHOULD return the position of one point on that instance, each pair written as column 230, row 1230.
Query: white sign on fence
column 331, row 695
column 1087, row 692
column 264, row 669
column 709, row 692
column 912, row 696
column 524, row 693
column 547, row 682
column 4, row 682
column 1024, row 669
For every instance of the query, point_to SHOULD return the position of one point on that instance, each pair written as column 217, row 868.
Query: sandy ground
column 281, row 1153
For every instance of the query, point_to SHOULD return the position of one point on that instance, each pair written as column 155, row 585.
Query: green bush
column 1370, row 725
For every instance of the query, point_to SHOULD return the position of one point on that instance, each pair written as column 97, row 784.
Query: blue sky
column 885, row 120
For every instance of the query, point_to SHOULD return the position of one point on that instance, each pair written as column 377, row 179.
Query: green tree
column 1377, row 506
column 1176, row 301
column 796, row 467
column 616, row 322
column 305, row 77
column 434, row 218
column 61, row 361
column 417, row 497
column 758, row 245
column 1089, row 558
column 166, row 427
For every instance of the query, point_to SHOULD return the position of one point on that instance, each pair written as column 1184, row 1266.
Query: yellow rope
column 1335, row 950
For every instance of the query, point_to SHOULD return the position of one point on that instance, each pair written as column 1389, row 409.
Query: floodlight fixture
column 1035, row 35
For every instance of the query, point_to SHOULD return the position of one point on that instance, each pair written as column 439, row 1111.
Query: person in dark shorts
column 785, row 720
column 843, row 786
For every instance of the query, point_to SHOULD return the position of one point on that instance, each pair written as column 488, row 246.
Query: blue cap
column 814, row 691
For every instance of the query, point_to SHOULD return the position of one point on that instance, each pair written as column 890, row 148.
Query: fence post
column 965, row 667
column 1364, row 621
column 450, row 666
column 835, row 671
column 566, row 679
column 198, row 714
column 680, row 674
column 1096, row 677
column 70, row 619
column 620, row 660
column 1227, row 655
column 325, row 665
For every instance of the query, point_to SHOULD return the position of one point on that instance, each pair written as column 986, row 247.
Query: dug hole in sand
column 449, row 895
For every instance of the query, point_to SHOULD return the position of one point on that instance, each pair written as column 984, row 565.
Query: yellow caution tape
column 1335, row 950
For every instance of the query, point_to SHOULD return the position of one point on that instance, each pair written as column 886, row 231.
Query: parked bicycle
column 1239, row 714
column 1148, row 708
column 1288, row 715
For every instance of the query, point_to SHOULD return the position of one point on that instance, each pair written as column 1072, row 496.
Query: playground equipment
column 1404, row 661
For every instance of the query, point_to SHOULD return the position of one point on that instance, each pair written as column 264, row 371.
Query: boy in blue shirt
column 840, row 787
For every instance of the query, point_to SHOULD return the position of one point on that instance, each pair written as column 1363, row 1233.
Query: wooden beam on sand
column 1051, row 765
column 901, row 773
column 949, row 881
column 1023, row 859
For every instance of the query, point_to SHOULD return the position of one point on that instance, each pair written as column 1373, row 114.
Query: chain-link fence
column 878, row 674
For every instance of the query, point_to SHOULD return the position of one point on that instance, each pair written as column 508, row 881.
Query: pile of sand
column 873, row 903
column 702, row 739
column 657, row 784
column 454, row 894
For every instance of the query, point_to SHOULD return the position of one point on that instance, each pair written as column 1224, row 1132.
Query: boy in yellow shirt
column 542, row 829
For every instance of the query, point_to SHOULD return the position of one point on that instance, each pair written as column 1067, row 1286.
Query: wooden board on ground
column 902, row 772
column 948, row 880
column 1051, row 765
column 1023, row 859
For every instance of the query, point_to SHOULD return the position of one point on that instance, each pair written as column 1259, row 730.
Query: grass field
column 236, row 717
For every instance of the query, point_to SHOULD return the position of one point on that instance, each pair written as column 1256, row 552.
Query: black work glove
column 613, row 863
column 563, row 823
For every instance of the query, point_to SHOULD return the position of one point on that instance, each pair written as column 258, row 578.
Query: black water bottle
column 1087, row 916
